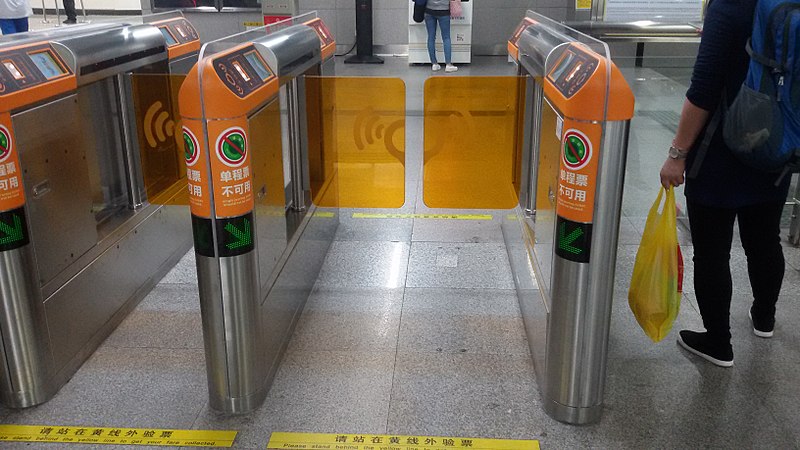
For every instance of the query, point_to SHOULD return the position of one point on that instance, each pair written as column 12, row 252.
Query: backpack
column 762, row 125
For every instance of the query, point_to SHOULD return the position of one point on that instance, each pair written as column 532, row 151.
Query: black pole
column 364, row 53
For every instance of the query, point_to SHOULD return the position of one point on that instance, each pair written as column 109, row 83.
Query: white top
column 15, row 9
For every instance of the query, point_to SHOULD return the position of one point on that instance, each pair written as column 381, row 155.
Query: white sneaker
column 436, row 67
column 450, row 68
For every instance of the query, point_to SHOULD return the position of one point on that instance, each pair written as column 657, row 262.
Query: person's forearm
column 693, row 119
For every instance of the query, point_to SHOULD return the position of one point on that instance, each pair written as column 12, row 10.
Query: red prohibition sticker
column 577, row 151
column 5, row 144
column 191, row 148
column 232, row 147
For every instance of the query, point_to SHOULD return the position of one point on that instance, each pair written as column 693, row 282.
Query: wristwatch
column 677, row 153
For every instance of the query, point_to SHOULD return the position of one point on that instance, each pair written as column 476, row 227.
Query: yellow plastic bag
column 655, row 292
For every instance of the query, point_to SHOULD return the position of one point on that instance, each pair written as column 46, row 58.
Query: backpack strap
column 763, row 60
column 711, row 129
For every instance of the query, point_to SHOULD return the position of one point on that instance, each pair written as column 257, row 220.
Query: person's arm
column 723, row 25
column 693, row 119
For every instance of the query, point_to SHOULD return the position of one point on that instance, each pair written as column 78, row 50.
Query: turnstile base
column 573, row 415
column 364, row 59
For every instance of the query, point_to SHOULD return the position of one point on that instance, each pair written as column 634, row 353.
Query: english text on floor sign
column 116, row 436
column 314, row 441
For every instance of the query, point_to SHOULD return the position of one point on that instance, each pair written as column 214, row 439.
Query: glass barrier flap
column 473, row 142
column 161, row 143
column 357, row 141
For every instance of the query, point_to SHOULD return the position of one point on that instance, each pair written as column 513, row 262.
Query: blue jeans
column 11, row 26
column 444, row 24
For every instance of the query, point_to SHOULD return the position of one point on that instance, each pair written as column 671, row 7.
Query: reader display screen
column 46, row 64
column 12, row 69
column 168, row 37
column 572, row 71
column 258, row 65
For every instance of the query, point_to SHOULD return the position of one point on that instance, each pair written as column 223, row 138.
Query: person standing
column 14, row 16
column 722, row 190
column 437, row 12
column 72, row 15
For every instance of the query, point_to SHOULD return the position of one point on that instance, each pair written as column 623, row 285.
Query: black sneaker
column 762, row 328
column 700, row 345
column 70, row 22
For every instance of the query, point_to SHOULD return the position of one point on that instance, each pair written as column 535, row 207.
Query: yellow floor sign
column 116, row 436
column 313, row 441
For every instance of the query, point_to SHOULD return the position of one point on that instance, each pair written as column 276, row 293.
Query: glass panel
column 654, row 10
column 547, row 172
column 472, row 141
column 183, row 3
column 161, row 146
column 267, row 167
column 357, row 141
column 241, row 3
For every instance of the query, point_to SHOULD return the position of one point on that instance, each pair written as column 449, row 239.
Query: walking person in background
column 72, row 15
column 438, row 12
column 722, row 189
column 14, row 16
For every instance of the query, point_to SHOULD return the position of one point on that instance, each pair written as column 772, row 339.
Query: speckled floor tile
column 317, row 392
column 365, row 264
column 443, row 394
column 184, row 272
column 463, row 265
column 462, row 321
column 374, row 229
column 132, row 388
column 169, row 317
column 354, row 319
column 444, row 230
column 661, row 404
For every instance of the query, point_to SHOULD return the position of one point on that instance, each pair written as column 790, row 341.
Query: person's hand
column 672, row 172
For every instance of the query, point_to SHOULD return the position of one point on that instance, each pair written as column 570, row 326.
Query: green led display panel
column 13, row 229
column 573, row 240
column 235, row 235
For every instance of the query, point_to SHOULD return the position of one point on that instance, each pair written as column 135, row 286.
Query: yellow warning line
column 117, row 436
column 324, row 214
column 424, row 216
column 314, row 441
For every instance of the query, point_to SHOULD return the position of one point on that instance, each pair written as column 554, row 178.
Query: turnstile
column 88, row 212
column 259, row 244
column 578, row 110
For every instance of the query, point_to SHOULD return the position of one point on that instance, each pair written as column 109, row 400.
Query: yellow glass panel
column 356, row 130
column 472, row 142
column 155, row 102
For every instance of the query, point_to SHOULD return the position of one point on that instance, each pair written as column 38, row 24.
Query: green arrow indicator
column 565, row 241
column 13, row 234
column 243, row 236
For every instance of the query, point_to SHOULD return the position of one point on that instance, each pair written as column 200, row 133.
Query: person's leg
column 69, row 9
column 7, row 26
column 712, row 234
column 444, row 24
column 760, row 229
column 430, row 24
column 21, row 24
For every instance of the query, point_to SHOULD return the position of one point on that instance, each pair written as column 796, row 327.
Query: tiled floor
column 414, row 328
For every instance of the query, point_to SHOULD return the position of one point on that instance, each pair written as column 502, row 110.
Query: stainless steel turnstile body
column 258, row 249
column 97, row 244
column 563, row 244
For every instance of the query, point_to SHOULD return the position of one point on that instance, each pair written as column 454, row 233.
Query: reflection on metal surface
column 161, row 146
column 547, row 165
column 472, row 141
column 356, row 130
